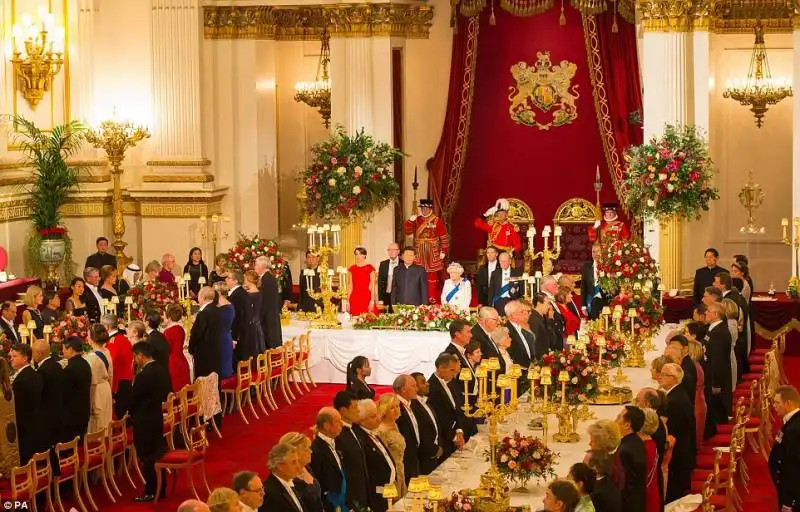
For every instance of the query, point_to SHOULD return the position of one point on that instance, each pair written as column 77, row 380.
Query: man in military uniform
column 502, row 234
column 431, row 242
column 610, row 229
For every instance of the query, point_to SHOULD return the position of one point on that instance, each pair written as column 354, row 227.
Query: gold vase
column 352, row 230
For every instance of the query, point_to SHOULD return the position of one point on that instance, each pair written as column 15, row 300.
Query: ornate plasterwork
column 178, row 178
column 719, row 16
column 294, row 22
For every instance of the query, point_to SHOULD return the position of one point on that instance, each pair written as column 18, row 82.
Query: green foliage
column 350, row 175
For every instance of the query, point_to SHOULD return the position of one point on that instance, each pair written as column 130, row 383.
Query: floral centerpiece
column 349, row 175
column 614, row 350
column 70, row 326
column 649, row 312
column 242, row 256
column 670, row 175
column 625, row 263
column 432, row 317
column 458, row 502
column 152, row 296
column 5, row 346
column 582, row 386
column 520, row 458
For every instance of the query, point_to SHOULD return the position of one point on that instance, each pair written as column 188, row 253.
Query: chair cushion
column 702, row 473
column 718, row 440
column 757, row 368
column 749, row 377
column 230, row 383
column 94, row 460
column 760, row 351
column 179, row 457
column 706, row 461
column 757, row 360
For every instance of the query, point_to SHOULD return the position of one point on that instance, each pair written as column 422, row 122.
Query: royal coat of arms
column 543, row 87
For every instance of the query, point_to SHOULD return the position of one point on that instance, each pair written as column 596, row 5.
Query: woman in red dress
column 652, row 494
column 176, row 336
column 572, row 322
column 363, row 289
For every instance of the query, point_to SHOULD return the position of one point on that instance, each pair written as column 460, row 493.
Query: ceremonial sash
column 339, row 499
column 503, row 290
column 422, row 227
column 102, row 357
column 453, row 292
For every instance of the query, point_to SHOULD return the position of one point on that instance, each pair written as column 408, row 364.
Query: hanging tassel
column 614, row 26
column 562, row 18
column 492, row 19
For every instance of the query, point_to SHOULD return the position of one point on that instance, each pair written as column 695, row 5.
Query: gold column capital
column 666, row 15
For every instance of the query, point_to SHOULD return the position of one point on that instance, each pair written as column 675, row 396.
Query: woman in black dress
column 108, row 288
column 254, row 331
column 218, row 274
column 357, row 372
column 75, row 305
column 196, row 268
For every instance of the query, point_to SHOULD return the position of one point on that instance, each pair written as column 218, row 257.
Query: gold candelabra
column 751, row 196
column 420, row 492
column 38, row 56
column 115, row 138
column 547, row 254
column 325, row 241
column 215, row 232
column 567, row 431
column 317, row 94
column 793, row 242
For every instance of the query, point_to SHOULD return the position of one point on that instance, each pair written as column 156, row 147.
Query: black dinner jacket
column 482, row 281
column 28, row 387
column 92, row 306
column 594, row 305
column 326, row 470
column 703, row 278
column 515, row 288
column 306, row 303
column 429, row 440
column 718, row 371
column 204, row 341
column 411, row 455
column 689, row 382
column 489, row 348
column 784, row 463
column 99, row 260
column 150, row 389
column 556, row 325
column 542, row 342
column 286, row 284
column 379, row 470
column 10, row 331
column 361, row 390
column 447, row 416
column 355, row 467
column 271, row 305
column 78, row 380
column 238, row 298
column 410, row 285
column 681, row 424
column 383, row 282
column 606, row 497
column 277, row 499
column 52, row 401
column 517, row 349
column 160, row 347
column 634, row 462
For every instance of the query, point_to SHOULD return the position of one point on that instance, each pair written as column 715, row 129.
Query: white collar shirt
column 524, row 340
column 447, row 391
column 407, row 406
column 376, row 439
column 390, row 273
column 289, row 486
column 332, row 445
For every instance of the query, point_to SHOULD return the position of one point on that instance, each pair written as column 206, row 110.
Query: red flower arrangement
column 614, row 351
column 582, row 386
column 520, row 458
column 52, row 233
column 152, row 296
column 5, row 346
column 624, row 263
column 242, row 256
column 423, row 318
column 71, row 326
column 649, row 313
column 458, row 502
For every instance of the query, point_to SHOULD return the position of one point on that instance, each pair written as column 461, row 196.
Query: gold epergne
column 566, row 424
column 325, row 241
column 547, row 254
column 606, row 393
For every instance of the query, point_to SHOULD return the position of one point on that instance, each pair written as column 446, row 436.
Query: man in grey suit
column 410, row 283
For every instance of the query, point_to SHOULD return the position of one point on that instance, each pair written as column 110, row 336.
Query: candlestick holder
column 634, row 344
column 548, row 255
column 565, row 432
column 325, row 241
column 214, row 231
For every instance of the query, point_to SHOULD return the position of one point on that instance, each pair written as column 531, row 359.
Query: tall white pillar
column 82, row 60
column 795, row 133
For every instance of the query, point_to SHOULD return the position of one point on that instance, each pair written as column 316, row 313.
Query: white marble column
column 795, row 134
column 82, row 21
column 176, row 37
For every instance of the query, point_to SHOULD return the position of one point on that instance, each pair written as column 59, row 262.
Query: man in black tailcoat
column 719, row 386
column 445, row 405
column 381, row 468
column 326, row 462
column 681, row 425
column 784, row 459
column 52, row 402
column 78, row 381
column 271, row 304
column 205, row 336
column 632, row 456
column 386, row 271
column 484, row 277
column 592, row 299
column 306, row 302
column 241, row 309
column 505, row 284
column 349, row 446
column 704, row 276
column 27, row 385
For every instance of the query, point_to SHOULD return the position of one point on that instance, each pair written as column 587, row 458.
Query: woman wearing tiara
column 457, row 291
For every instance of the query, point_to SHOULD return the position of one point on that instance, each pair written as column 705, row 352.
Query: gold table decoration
column 566, row 423
column 325, row 241
column 115, row 138
column 217, row 231
column 38, row 55
column 634, row 344
column 547, row 254
column 389, row 493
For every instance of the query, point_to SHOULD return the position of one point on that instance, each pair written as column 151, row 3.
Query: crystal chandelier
column 317, row 94
column 759, row 90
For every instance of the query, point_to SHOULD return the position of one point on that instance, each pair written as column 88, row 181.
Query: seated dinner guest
column 363, row 288
column 457, row 291
column 410, row 283
column 357, row 372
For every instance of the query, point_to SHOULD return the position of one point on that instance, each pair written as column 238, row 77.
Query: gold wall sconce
column 38, row 55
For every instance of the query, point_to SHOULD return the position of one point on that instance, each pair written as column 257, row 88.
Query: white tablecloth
column 463, row 469
column 390, row 353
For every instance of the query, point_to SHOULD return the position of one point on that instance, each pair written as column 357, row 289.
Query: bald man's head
column 41, row 350
column 193, row 506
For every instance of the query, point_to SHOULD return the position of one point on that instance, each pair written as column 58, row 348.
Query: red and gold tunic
column 502, row 235
column 610, row 232
column 430, row 240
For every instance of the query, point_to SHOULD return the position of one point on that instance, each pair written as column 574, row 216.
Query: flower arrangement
column 520, row 458
column 458, row 502
column 71, row 326
column 649, row 313
column 432, row 317
column 242, row 256
column 625, row 263
column 582, row 386
column 614, row 351
column 349, row 175
column 5, row 346
column 670, row 175
column 152, row 296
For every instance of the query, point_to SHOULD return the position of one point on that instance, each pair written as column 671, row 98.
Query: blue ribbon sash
column 453, row 292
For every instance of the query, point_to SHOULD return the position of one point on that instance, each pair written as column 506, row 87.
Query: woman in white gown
column 99, row 359
column 457, row 291
column 732, row 316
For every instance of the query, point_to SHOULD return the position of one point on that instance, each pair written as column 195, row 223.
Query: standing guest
column 350, row 449
column 238, row 298
column 167, row 272
column 605, row 497
column 584, row 479
column 379, row 464
column 784, row 459
column 78, row 382
column 591, row 295
column 557, row 324
column 605, row 436
column 568, row 282
column 151, row 272
column 561, row 496
column 131, row 276
column 405, row 390
column 502, row 338
column 8, row 315
column 522, row 350
column 724, row 283
column 51, row 314
column 305, row 484
column 326, row 464
column 501, row 233
column 310, row 275
column 488, row 320
column 719, row 386
column 656, row 400
column 678, row 350
column 653, row 496
column 248, row 486
column 75, row 304
column 108, row 287
column 357, row 372
column 362, row 282
column 285, row 285
column 681, row 425
column 572, row 321
column 280, row 494
column 136, row 331
column 633, row 458
column 253, row 330
column 445, row 404
column 226, row 318
column 389, row 409
column 193, row 506
column 121, row 351
column 485, row 273
column 33, row 299
column 27, row 386
column 538, row 325
column 220, row 269
column 205, row 337
column 197, row 269
column 52, row 395
column 157, row 341
column 460, row 335
column 9, row 448
column 175, row 335
column 101, row 258
column 386, row 275
column 414, row 402
column 700, row 407
column 410, row 283
column 150, row 389
column 739, row 270
column 99, row 359
column 504, row 284
column 270, row 304
column 704, row 276
column 91, row 295
column 457, row 291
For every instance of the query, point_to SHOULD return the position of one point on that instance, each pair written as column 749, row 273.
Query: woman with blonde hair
column 734, row 319
column 656, row 365
column 108, row 287
column 652, row 492
column 253, row 330
column 151, row 271
column 307, row 486
column 9, row 449
column 605, row 436
column 389, row 409
column 33, row 298
column 457, row 291
column 223, row 499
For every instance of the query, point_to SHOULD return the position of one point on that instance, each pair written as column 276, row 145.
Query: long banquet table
column 463, row 469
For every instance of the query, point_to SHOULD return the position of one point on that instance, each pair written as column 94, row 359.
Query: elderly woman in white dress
column 457, row 291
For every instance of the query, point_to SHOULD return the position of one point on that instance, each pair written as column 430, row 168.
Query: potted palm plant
column 46, row 154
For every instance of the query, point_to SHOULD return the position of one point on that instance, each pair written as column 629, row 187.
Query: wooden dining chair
column 20, row 485
column 68, row 456
column 43, row 478
column 118, row 448
column 94, row 457
column 186, row 460
column 238, row 388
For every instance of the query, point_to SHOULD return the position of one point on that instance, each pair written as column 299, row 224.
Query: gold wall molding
column 27, row 180
column 717, row 16
column 204, row 162
column 178, row 178
column 5, row 166
column 180, row 210
column 298, row 23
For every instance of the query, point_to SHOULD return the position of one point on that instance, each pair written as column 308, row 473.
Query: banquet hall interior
column 285, row 193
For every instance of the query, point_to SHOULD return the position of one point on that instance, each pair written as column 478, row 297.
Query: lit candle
column 201, row 281
column 128, row 305
column 563, row 377
column 23, row 333
column 47, row 330
column 311, row 230
column 632, row 316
